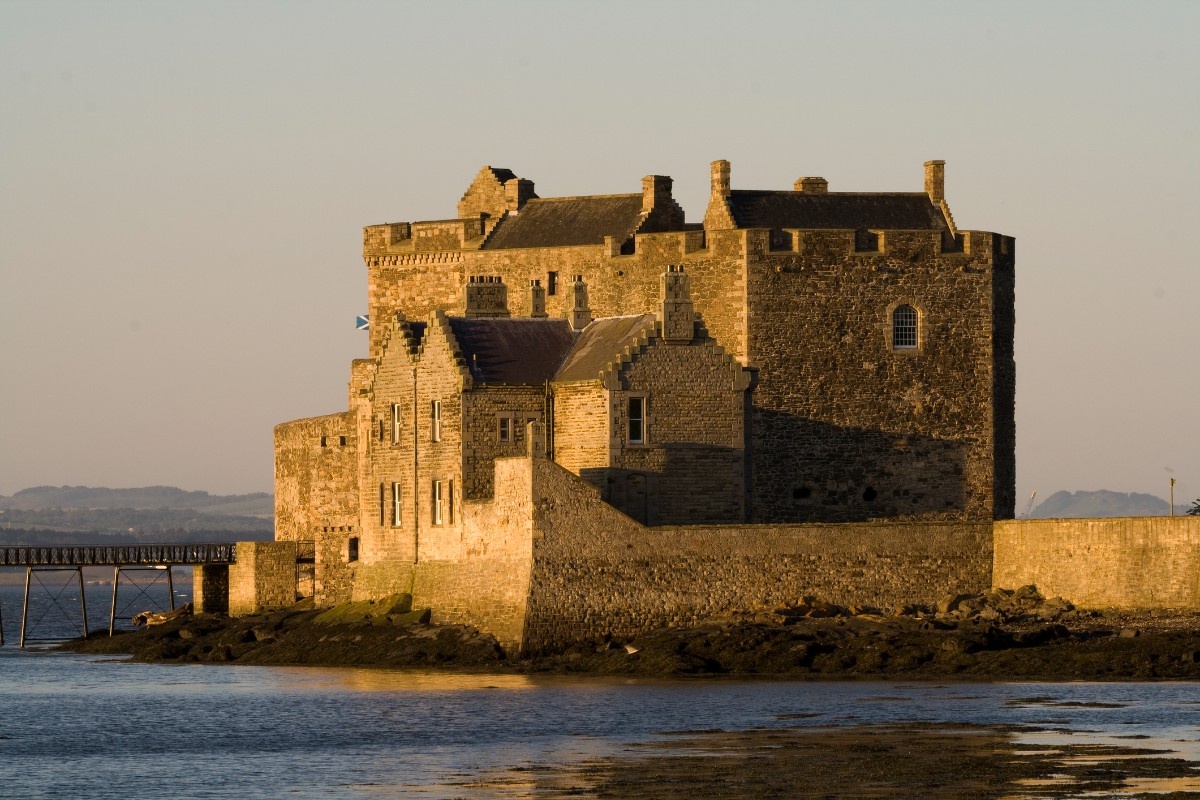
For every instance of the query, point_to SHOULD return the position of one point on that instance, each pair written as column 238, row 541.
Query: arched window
column 904, row 328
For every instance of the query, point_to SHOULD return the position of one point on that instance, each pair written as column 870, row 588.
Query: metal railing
column 118, row 555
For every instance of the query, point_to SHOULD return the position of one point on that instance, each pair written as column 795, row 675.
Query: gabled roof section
column 601, row 343
column 567, row 221
column 853, row 211
column 516, row 352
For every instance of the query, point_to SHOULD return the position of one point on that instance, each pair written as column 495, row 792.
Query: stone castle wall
column 846, row 427
column 598, row 573
column 316, row 476
column 1130, row 563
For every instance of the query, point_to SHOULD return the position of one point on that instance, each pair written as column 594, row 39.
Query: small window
column 450, row 502
column 352, row 549
column 341, row 441
column 551, row 283
column 904, row 328
column 396, row 423
column 382, row 505
column 505, row 429
column 396, row 496
column 436, row 421
column 437, row 502
column 324, row 442
column 381, row 429
column 637, row 420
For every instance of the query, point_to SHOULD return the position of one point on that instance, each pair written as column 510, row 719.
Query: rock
column 263, row 633
column 1129, row 633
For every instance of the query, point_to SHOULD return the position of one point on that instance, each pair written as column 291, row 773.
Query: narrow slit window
column 396, row 423
column 551, row 283
column 637, row 420
column 449, row 502
column 382, row 504
column 352, row 549
column 396, row 505
column 437, row 502
column 505, row 429
column 904, row 328
column 436, row 421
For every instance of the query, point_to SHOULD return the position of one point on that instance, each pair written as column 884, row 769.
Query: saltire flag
column 361, row 323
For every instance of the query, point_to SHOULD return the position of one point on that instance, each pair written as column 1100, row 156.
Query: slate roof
column 904, row 211
column 564, row 221
column 599, row 344
column 519, row 352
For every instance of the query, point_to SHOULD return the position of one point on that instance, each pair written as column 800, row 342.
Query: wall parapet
column 1123, row 563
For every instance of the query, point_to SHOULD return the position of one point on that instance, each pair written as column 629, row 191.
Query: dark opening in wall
column 341, row 441
column 324, row 442
column 801, row 493
column 869, row 494
column 551, row 283
column 352, row 549
column 866, row 241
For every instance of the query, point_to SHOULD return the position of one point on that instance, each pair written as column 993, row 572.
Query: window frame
column 397, row 504
column 504, row 429
column 397, row 422
column 435, row 514
column 917, row 332
column 643, row 419
column 435, row 421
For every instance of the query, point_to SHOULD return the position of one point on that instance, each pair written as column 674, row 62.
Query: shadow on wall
column 679, row 484
column 809, row 471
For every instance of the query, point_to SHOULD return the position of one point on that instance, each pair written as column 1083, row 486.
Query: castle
column 800, row 358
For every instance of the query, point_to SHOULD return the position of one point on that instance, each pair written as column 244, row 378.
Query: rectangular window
column 505, row 431
column 450, row 502
column 551, row 283
column 395, row 423
column 637, row 420
column 396, row 505
column 437, row 503
column 352, row 549
column 435, row 426
column 382, row 505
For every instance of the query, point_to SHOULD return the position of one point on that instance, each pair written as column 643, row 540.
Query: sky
column 183, row 188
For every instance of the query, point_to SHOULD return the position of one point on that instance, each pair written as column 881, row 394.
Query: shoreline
column 1000, row 636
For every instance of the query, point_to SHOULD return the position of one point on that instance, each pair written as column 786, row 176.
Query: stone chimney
column 935, row 180
column 718, row 215
column 656, row 192
column 720, row 178
column 536, row 307
column 579, row 314
column 487, row 296
column 811, row 185
column 516, row 192
column 678, row 318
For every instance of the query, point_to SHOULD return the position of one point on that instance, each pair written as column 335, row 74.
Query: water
column 81, row 726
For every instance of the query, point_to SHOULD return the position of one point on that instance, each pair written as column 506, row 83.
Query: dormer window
column 905, row 322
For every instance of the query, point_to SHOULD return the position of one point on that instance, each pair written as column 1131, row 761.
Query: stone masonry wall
column 581, row 428
column 597, row 573
column 264, row 577
column 846, row 428
column 1130, row 563
column 316, row 483
column 482, row 409
column 692, row 458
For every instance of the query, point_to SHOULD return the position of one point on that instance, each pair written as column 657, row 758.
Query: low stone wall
column 264, row 577
column 597, row 572
column 1128, row 563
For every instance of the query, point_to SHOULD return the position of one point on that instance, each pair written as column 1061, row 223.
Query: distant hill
column 82, row 514
column 41, row 498
column 1103, row 503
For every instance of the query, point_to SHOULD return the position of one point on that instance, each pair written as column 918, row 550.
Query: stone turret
column 580, row 314
column 678, row 317
column 486, row 296
column 935, row 180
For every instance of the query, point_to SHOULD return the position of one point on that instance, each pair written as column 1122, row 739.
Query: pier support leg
column 112, row 614
column 25, row 605
column 1, row 624
column 82, row 601
column 171, row 585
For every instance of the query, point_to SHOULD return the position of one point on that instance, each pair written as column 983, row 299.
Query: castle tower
column 535, row 303
column 678, row 318
column 580, row 314
column 486, row 296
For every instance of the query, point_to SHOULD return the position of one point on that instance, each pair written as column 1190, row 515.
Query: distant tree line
column 24, row 537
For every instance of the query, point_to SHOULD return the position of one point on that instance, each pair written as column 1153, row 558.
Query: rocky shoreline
column 1002, row 635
